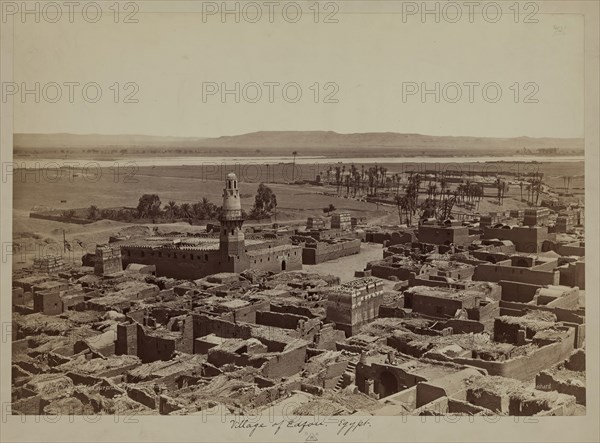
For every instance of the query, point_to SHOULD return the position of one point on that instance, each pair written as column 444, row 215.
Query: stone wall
column 178, row 263
column 320, row 252
column 276, row 259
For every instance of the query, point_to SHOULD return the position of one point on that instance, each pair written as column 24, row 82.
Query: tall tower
column 232, row 236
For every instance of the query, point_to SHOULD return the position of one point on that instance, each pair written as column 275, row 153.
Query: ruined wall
column 384, row 379
column 573, row 274
column 526, row 367
column 461, row 273
column 518, row 291
column 247, row 314
column 327, row 337
column 132, row 339
column 156, row 348
column 47, row 302
column 545, row 381
column 204, row 325
column 484, row 312
column 142, row 396
column 505, row 332
column 127, row 339
column 285, row 364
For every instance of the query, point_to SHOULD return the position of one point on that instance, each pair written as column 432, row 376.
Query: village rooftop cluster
column 480, row 316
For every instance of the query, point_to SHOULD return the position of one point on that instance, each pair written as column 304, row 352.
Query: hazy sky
column 370, row 57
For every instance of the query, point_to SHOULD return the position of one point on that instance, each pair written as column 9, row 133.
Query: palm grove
column 151, row 208
column 440, row 197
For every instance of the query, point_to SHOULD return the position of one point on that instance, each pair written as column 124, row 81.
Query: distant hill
column 73, row 141
column 330, row 139
column 292, row 140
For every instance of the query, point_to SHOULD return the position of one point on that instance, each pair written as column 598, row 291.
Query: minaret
column 232, row 236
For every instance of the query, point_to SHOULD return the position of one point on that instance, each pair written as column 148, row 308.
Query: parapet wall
column 177, row 263
column 496, row 273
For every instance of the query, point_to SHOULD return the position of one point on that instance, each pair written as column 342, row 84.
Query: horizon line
column 294, row 131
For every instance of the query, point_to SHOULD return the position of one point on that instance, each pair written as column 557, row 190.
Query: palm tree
column 171, row 209
column 477, row 193
column 185, row 210
column 383, row 176
column 430, row 190
column 347, row 183
column 338, row 178
column 521, row 187
column 355, row 181
column 504, row 191
column 468, row 189
column 403, row 207
column 498, row 189
column 363, row 175
column 443, row 184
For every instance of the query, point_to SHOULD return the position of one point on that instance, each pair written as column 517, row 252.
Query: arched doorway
column 283, row 265
column 388, row 384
